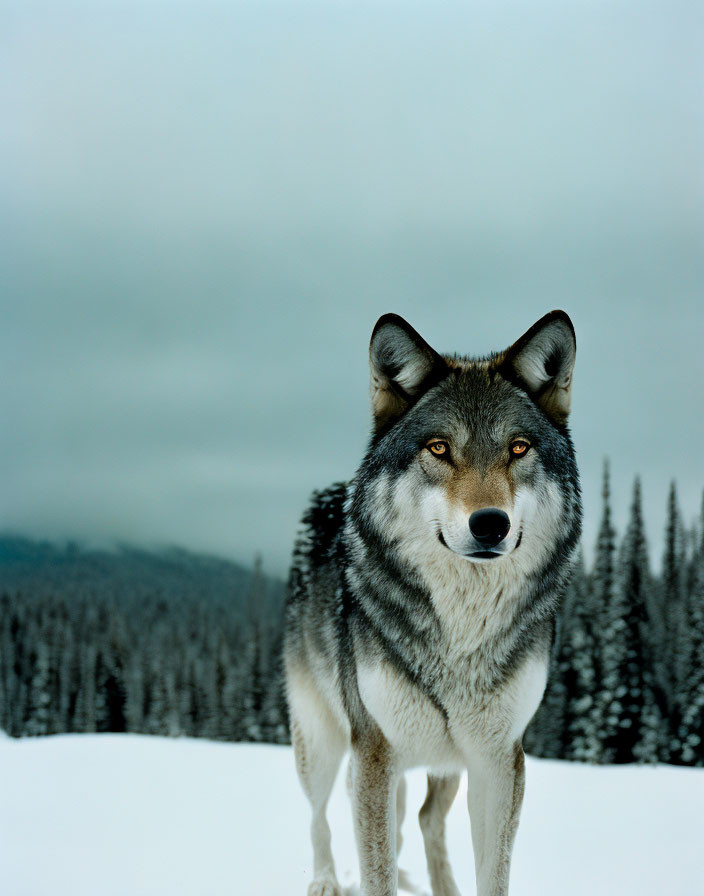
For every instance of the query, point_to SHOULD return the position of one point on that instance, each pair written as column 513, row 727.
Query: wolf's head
column 472, row 455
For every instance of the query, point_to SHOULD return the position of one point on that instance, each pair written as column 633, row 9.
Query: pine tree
column 230, row 682
column 599, row 723
column 68, row 680
column 274, row 722
column 85, row 716
column 255, row 687
column 38, row 716
column 578, row 671
column 630, row 723
column 172, row 721
column 690, row 695
column 135, row 693
column 254, row 656
column 672, row 591
column 156, row 710
column 673, row 633
column 640, row 723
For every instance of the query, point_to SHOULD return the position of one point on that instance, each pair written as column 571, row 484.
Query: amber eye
column 519, row 447
column 438, row 448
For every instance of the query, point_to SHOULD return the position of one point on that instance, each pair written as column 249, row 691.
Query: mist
column 205, row 208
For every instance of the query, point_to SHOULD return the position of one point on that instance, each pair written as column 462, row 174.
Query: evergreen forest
column 177, row 643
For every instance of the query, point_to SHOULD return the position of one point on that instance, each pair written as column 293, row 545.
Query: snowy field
column 126, row 815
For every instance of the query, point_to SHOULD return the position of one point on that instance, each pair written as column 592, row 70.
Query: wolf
column 423, row 597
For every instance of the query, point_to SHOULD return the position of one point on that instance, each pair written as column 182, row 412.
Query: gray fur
column 403, row 642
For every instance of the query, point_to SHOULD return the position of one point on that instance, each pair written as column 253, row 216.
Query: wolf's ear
column 541, row 362
column 403, row 366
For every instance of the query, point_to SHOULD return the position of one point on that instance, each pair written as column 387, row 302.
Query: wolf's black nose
column 489, row 526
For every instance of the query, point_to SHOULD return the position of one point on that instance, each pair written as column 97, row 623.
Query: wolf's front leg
column 495, row 787
column 374, row 784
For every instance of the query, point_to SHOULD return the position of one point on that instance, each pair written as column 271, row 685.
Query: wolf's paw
column 324, row 887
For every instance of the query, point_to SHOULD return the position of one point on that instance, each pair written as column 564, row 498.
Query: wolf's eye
column 519, row 447
column 438, row 448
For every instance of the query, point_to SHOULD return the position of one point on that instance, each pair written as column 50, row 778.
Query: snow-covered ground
column 130, row 815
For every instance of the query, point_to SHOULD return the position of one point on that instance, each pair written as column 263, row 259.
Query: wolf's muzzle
column 489, row 526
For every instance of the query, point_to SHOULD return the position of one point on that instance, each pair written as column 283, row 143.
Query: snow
column 129, row 814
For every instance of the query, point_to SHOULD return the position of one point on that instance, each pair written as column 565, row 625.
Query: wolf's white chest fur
column 421, row 735
column 473, row 604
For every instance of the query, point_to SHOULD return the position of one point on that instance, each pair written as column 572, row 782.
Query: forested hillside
column 161, row 643
column 178, row 643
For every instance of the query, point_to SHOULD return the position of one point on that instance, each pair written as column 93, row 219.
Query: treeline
column 627, row 676
column 172, row 644
column 180, row 644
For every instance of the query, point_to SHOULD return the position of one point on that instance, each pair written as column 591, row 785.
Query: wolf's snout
column 489, row 526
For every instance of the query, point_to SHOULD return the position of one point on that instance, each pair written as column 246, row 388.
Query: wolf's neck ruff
column 418, row 598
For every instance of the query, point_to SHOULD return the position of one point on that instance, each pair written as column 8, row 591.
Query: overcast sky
column 205, row 208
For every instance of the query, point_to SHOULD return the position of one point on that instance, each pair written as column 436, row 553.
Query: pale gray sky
column 205, row 208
